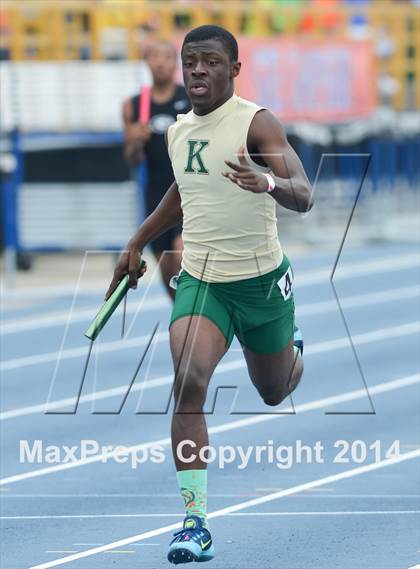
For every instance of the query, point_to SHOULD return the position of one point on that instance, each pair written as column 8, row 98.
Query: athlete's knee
column 190, row 387
column 276, row 396
column 281, row 390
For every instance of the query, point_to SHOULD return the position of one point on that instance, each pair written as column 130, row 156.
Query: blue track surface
column 367, row 520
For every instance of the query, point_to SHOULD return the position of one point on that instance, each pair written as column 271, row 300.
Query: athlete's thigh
column 269, row 371
column 197, row 346
column 200, row 328
column 268, row 348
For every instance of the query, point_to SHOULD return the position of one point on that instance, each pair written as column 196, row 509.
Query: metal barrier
column 76, row 29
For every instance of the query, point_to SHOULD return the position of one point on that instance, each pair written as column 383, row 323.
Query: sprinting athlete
column 232, row 165
column 146, row 142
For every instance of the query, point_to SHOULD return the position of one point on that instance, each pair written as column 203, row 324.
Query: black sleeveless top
column 159, row 170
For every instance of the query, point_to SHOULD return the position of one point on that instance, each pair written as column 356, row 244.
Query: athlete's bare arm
column 135, row 136
column 167, row 214
column 268, row 144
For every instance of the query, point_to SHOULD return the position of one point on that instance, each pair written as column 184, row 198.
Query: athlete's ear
column 236, row 67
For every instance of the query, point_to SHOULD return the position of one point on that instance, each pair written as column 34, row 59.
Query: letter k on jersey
column 195, row 164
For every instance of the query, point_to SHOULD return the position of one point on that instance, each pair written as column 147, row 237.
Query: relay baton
column 144, row 105
column 108, row 308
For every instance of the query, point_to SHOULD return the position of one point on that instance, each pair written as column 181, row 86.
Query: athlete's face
column 208, row 74
column 162, row 62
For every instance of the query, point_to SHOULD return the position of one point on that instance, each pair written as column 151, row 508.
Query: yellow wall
column 75, row 29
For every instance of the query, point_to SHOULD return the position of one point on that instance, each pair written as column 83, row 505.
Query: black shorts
column 165, row 241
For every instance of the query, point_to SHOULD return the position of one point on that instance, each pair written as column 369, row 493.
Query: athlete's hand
column 128, row 262
column 245, row 176
column 138, row 132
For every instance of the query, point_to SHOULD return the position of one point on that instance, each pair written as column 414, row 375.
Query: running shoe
column 191, row 543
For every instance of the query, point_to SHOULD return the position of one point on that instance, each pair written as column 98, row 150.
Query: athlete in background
column 146, row 142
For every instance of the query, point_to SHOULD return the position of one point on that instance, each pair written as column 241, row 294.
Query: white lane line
column 229, row 426
column 120, row 551
column 87, row 517
column 238, row 507
column 61, row 318
column 49, row 292
column 87, row 544
column 384, row 264
column 311, row 349
column 146, row 544
column 107, row 393
column 318, row 496
column 61, row 551
column 138, row 341
column 350, row 270
column 177, row 515
column 303, row 310
column 337, row 513
column 130, row 495
column 81, row 351
column 358, row 300
column 318, row 490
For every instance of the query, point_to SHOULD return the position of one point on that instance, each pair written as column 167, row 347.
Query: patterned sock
column 193, row 486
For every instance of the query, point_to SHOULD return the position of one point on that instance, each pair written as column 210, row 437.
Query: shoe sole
column 178, row 556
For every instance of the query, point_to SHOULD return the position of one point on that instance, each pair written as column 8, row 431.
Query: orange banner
column 308, row 80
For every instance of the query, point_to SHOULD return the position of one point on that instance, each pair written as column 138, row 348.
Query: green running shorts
column 259, row 311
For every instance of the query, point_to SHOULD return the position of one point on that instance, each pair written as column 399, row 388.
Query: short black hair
column 210, row 32
column 159, row 42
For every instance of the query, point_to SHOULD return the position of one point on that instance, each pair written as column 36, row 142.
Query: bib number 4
column 285, row 284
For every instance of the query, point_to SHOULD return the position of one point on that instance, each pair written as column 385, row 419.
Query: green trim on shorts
column 258, row 311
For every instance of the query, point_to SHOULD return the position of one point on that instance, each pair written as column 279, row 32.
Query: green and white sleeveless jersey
column 229, row 234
